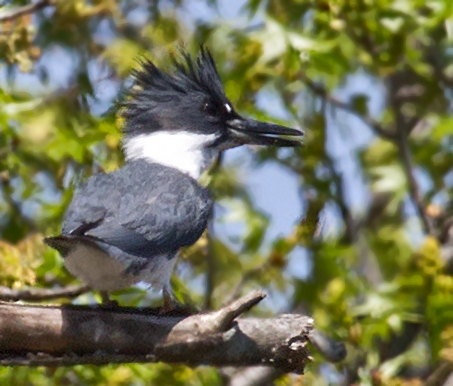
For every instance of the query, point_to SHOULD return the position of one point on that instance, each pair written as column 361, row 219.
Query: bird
column 127, row 226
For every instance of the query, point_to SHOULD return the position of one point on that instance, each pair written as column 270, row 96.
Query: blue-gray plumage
column 128, row 226
column 149, row 209
column 138, row 213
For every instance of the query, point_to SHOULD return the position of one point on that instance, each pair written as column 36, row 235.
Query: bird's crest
column 153, row 87
column 190, row 74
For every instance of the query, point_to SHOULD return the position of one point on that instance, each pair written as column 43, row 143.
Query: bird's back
column 149, row 205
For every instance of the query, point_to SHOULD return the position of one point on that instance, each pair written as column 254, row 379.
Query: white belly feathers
column 105, row 273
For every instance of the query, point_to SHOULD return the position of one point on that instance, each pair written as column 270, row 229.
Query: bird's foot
column 108, row 303
column 172, row 307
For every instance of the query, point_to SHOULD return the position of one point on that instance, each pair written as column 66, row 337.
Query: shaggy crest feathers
column 192, row 74
column 154, row 90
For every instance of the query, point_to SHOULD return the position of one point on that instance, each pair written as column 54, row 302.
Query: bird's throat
column 187, row 152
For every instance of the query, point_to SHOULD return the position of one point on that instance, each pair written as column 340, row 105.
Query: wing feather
column 143, row 209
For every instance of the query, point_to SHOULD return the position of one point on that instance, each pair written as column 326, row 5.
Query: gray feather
column 143, row 209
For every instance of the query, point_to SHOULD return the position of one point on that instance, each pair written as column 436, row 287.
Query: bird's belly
column 97, row 269
column 103, row 272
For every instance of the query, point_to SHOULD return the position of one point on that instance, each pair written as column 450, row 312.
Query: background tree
column 366, row 245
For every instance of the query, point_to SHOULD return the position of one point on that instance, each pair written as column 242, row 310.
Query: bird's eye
column 210, row 108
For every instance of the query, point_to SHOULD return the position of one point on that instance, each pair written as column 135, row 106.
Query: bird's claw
column 172, row 307
column 108, row 303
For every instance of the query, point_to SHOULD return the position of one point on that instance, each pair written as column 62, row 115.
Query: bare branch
column 406, row 161
column 351, row 234
column 218, row 321
column 210, row 265
column 44, row 335
column 39, row 294
column 15, row 208
column 97, row 359
column 25, row 10
column 210, row 258
column 440, row 375
column 321, row 92
column 247, row 276
column 227, row 314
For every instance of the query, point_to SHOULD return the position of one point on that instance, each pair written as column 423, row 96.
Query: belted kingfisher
column 127, row 226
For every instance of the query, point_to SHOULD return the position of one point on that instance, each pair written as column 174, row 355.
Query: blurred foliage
column 378, row 278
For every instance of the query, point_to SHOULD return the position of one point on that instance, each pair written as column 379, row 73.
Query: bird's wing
column 142, row 211
column 88, row 207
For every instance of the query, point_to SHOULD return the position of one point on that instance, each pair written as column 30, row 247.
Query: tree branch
column 210, row 266
column 210, row 258
column 39, row 294
column 25, row 10
column 15, row 208
column 247, row 276
column 321, row 92
column 69, row 335
column 351, row 234
column 414, row 192
column 332, row 350
column 440, row 375
column 226, row 315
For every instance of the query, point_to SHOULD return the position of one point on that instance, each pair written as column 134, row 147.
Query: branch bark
column 69, row 335
column 406, row 161
column 210, row 259
column 25, row 10
column 40, row 294
column 440, row 375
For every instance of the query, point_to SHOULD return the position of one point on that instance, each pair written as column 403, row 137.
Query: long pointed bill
column 252, row 132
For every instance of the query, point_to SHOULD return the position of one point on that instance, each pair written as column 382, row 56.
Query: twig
column 321, row 92
column 227, row 314
column 246, row 276
column 435, row 60
column 38, row 294
column 398, row 343
column 440, row 375
column 25, row 10
column 219, row 321
column 210, row 266
column 351, row 231
column 16, row 208
column 444, row 234
column 400, row 138
column 123, row 335
column 405, row 157
column 210, row 258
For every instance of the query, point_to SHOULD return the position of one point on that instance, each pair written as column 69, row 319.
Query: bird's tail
column 61, row 243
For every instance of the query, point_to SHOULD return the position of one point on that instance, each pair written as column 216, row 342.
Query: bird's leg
column 106, row 301
column 169, row 302
column 173, row 306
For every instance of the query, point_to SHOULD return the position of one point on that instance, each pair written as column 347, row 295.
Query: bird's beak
column 252, row 132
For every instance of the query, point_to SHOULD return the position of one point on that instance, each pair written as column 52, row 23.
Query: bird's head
column 185, row 114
